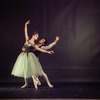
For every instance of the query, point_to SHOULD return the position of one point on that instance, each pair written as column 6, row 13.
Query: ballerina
column 27, row 64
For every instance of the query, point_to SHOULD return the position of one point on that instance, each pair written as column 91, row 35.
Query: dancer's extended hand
column 51, row 52
column 28, row 22
column 57, row 39
column 23, row 49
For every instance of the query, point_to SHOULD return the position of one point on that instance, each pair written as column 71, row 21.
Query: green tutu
column 26, row 65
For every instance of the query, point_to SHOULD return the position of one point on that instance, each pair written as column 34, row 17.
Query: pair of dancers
column 27, row 64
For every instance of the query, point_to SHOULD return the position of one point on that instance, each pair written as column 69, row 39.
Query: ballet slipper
column 35, row 85
column 50, row 85
column 38, row 82
column 24, row 86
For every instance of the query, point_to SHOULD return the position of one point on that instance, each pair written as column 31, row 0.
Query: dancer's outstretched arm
column 42, row 50
column 51, row 45
column 26, row 33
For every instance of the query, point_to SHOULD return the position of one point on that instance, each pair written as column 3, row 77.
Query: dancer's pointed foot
column 50, row 85
column 35, row 85
column 24, row 86
column 38, row 82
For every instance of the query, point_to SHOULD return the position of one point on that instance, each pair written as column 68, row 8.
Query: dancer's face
column 35, row 36
column 42, row 41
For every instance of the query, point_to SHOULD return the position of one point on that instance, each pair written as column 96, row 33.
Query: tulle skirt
column 26, row 65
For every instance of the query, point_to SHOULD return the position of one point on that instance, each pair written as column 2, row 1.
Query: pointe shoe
column 24, row 86
column 35, row 85
column 50, row 85
column 38, row 82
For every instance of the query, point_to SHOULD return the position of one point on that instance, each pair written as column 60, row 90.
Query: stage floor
column 61, row 91
column 50, row 99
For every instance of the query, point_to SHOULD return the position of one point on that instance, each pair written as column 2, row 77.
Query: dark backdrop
column 77, row 22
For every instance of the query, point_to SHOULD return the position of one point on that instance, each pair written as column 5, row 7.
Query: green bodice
column 28, row 48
